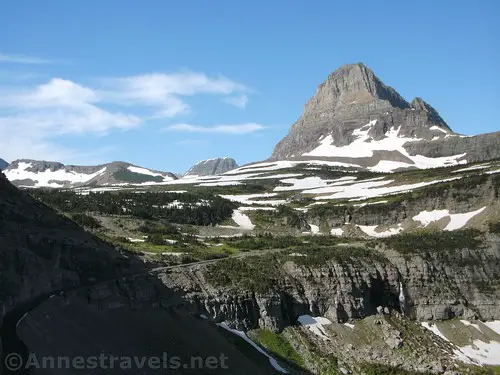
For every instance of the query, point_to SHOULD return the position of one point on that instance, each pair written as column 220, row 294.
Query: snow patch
column 457, row 221
column 242, row 220
column 460, row 220
column 314, row 229
column 371, row 231
column 438, row 128
column 337, row 232
column 364, row 146
column 148, row 172
column 369, row 189
column 47, row 178
column 485, row 353
column 315, row 324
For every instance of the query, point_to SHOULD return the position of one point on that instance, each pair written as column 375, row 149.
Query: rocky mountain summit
column 212, row 167
column 35, row 173
column 354, row 118
column 3, row 164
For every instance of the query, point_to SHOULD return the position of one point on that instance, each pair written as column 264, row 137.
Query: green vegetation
column 263, row 241
column 276, row 343
column 494, row 227
column 379, row 369
column 136, row 178
column 429, row 241
column 262, row 273
column 257, row 274
column 283, row 215
column 187, row 208
column 316, row 256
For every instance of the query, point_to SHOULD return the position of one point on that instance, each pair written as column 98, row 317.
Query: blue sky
column 163, row 84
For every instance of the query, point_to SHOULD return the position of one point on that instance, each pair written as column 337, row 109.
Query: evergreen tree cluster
column 182, row 208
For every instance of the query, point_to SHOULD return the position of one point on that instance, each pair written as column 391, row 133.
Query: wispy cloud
column 164, row 92
column 224, row 129
column 238, row 101
column 21, row 59
column 35, row 116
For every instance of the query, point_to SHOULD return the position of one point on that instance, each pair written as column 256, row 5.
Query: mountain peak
column 353, row 87
column 420, row 104
column 212, row 167
column 351, row 105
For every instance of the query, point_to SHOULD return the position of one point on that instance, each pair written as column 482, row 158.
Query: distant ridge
column 211, row 167
column 37, row 173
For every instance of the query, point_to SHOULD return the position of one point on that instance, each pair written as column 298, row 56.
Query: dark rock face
column 42, row 252
column 352, row 96
column 3, row 164
column 212, row 167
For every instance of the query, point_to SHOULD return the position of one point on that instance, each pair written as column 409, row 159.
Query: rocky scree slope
column 212, row 167
column 34, row 173
column 352, row 113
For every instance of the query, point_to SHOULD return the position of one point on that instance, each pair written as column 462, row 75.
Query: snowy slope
column 364, row 146
column 35, row 174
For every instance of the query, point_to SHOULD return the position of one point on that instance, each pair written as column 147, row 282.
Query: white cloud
column 60, row 106
column 19, row 59
column 33, row 117
column 164, row 91
column 224, row 129
column 238, row 101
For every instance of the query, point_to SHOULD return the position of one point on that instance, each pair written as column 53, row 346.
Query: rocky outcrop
column 424, row 286
column 353, row 97
column 36, row 173
column 212, row 167
column 3, row 164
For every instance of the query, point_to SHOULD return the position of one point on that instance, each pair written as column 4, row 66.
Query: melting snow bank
column 478, row 352
column 482, row 352
column 370, row 188
column 242, row 334
column 315, row 324
column 242, row 220
column 457, row 221
column 371, row 230
column 314, row 229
